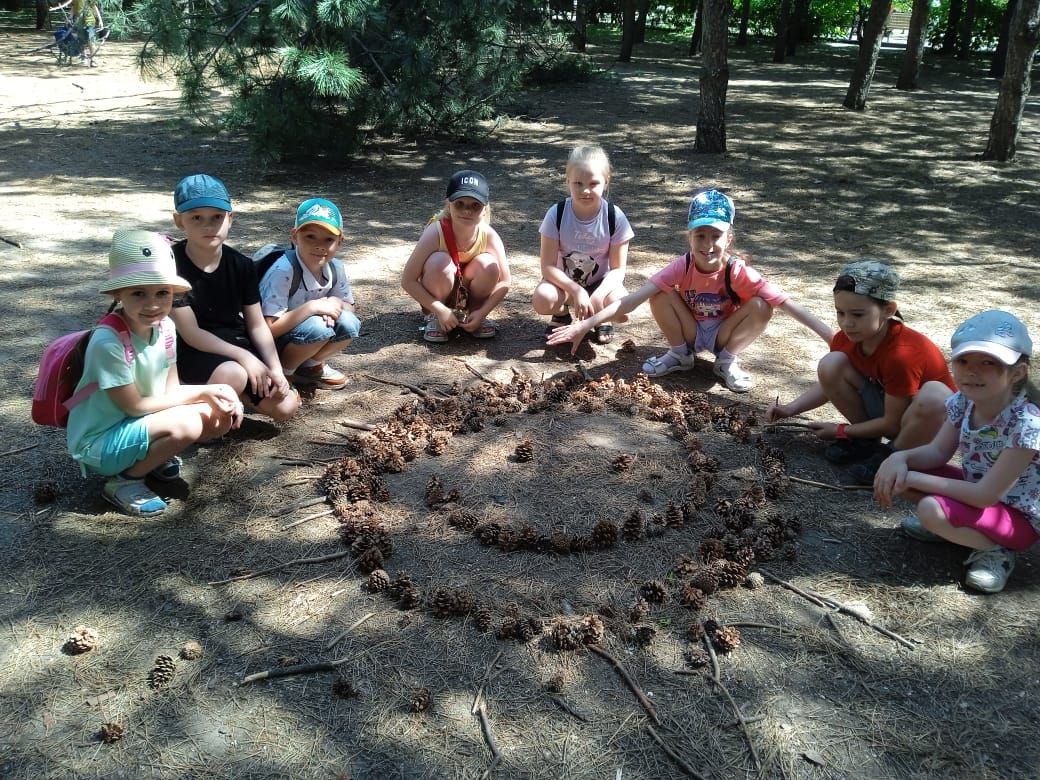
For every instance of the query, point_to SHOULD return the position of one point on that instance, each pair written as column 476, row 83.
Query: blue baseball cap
column 321, row 211
column 468, row 184
column 201, row 191
column 995, row 333
column 711, row 208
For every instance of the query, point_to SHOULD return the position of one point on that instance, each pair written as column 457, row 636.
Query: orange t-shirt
column 903, row 361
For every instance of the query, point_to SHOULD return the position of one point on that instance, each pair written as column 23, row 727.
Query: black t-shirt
column 218, row 298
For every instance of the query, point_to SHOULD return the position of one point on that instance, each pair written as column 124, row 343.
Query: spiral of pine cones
column 421, row 700
column 653, row 591
column 191, row 651
column 622, row 462
column 162, row 672
column 524, row 452
column 83, row 639
column 111, row 732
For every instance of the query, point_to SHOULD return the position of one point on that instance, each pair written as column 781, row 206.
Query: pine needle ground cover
column 119, row 657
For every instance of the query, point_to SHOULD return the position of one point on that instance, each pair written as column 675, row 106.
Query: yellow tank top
column 478, row 246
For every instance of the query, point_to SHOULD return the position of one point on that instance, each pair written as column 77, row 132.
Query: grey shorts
column 873, row 397
column 707, row 334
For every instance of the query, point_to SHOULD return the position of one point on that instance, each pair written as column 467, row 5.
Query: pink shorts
column 1004, row 524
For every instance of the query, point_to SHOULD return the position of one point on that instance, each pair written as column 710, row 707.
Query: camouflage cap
column 872, row 278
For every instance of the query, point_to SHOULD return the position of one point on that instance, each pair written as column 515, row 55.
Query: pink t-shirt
column 706, row 294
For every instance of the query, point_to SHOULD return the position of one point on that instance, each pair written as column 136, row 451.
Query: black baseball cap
column 468, row 184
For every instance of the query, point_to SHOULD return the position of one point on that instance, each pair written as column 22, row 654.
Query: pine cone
column 754, row 581
column 639, row 611
column 643, row 635
column 756, row 495
column 698, row 492
column 421, row 700
column 621, row 462
column 693, row 597
column 694, row 632
column 604, row 535
column 696, row 656
column 162, row 672
column 81, row 640
column 528, row 629
column 530, row 538
column 561, row 543
column 580, row 544
column 111, row 732
column 712, row 550
column 434, row 495
column 399, row 583
column 289, row 660
column 378, row 581
column 483, row 619
column 463, row 519
column 344, row 688
column 45, row 493
column 370, row 560
column 191, row 651
column 555, row 684
column 633, row 527
column 729, row 573
column 726, row 639
column 592, row 630
column 704, row 580
column 507, row 628
column 673, row 517
column 524, row 452
column 410, row 597
column 645, row 496
column 653, row 591
column 567, row 634
column 438, row 443
column 487, row 533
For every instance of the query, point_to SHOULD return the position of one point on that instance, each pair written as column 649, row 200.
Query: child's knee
column 230, row 373
column 348, row 326
column 832, row 366
column 929, row 403
column 758, row 308
column 547, row 298
column 931, row 514
column 280, row 409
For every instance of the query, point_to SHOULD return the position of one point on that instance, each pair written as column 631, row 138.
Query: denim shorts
column 313, row 330
column 116, row 449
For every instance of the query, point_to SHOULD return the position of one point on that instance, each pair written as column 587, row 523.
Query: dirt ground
column 84, row 151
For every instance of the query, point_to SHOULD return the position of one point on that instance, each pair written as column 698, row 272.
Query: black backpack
column 267, row 255
column 727, row 278
column 611, row 216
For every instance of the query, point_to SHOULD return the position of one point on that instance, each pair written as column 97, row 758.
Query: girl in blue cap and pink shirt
column 707, row 300
column 991, row 502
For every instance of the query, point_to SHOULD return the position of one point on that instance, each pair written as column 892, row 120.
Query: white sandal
column 668, row 363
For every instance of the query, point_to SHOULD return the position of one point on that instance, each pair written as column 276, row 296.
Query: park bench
column 898, row 21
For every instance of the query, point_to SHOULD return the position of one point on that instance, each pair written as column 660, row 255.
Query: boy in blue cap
column 222, row 335
column 307, row 300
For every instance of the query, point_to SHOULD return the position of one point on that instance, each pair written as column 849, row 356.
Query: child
column 706, row 300
column 458, row 271
column 584, row 247
column 992, row 502
column 223, row 337
column 884, row 378
column 141, row 416
column 307, row 299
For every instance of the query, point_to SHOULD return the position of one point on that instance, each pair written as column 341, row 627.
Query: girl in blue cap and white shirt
column 991, row 503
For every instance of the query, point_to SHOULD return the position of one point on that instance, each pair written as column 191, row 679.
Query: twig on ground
column 19, row 449
column 752, row 719
column 485, row 728
column 331, row 442
column 5, row 239
column 474, row 371
column 804, row 426
column 295, row 562
column 673, row 755
column 346, row 422
column 647, row 704
column 758, row 625
column 562, row 703
column 342, row 635
column 288, row 671
column 488, row 674
column 307, row 519
column 740, row 719
column 413, row 388
column 828, row 485
column 829, row 603
column 307, row 502
column 716, row 672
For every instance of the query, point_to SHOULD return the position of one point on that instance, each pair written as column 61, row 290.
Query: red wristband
column 839, row 431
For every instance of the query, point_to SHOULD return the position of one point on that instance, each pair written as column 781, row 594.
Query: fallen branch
column 342, row 635
column 485, row 728
column 307, row 519
column 474, row 371
column 673, row 755
column 5, row 239
column 828, row 485
column 295, row 562
column 288, row 671
column 757, row 625
column 716, row 673
column 560, row 702
column 304, row 504
column 740, row 720
column 346, row 422
column 331, row 443
column 803, row 426
column 828, row 603
column 19, row 449
column 647, row 704
column 488, row 674
column 413, row 388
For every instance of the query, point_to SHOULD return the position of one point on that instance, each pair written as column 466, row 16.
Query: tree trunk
column 628, row 30
column 1014, row 87
column 644, row 9
column 697, row 36
column 799, row 22
column 996, row 68
column 711, row 119
column 869, row 48
column 915, row 42
column 953, row 24
column 783, row 20
column 581, row 25
column 967, row 28
column 745, row 16
column 42, row 14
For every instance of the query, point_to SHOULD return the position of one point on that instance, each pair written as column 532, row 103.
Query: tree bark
column 714, row 81
column 782, row 22
column 644, row 9
column 697, row 36
column 996, row 67
column 628, row 30
column 966, row 31
column 798, row 23
column 42, row 14
column 745, row 17
column 1014, row 87
column 915, row 41
column 953, row 24
column 869, row 48
column 580, row 38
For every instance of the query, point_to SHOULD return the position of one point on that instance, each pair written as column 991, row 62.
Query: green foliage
column 327, row 74
column 986, row 31
column 567, row 67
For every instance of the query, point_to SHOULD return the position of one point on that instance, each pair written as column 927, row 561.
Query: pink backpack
column 61, row 368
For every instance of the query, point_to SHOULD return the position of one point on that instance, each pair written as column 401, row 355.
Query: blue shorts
column 117, row 449
column 313, row 330
column 707, row 334
column 873, row 397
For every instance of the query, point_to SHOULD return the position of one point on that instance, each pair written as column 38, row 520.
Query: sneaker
column 558, row 321
column 864, row 473
column 735, row 378
column 132, row 496
column 322, row 375
column 842, row 451
column 168, row 471
column 913, row 528
column 988, row 570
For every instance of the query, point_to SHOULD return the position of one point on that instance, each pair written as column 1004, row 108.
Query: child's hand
column 256, row 371
column 890, row 480
column 329, row 307
column 824, row 430
column 473, row 321
column 222, row 398
column 582, row 304
column 573, row 333
column 776, row 412
column 279, row 384
column 445, row 318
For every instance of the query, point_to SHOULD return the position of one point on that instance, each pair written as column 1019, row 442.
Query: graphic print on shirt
column 580, row 267
column 706, row 306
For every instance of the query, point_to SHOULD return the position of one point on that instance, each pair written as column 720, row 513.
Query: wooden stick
column 757, row 625
column 740, row 719
column 647, row 705
column 20, row 449
column 287, row 671
column 5, row 239
column 346, row 422
column 560, row 702
column 789, row 424
column 307, row 502
column 307, row 519
column 716, row 672
column 486, row 679
column 673, row 755
column 485, row 727
column 286, row 565
column 827, row 602
column 829, row 486
column 331, row 442
column 474, row 371
column 342, row 635
column 414, row 388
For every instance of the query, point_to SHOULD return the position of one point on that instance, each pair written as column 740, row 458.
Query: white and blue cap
column 711, row 208
column 995, row 333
